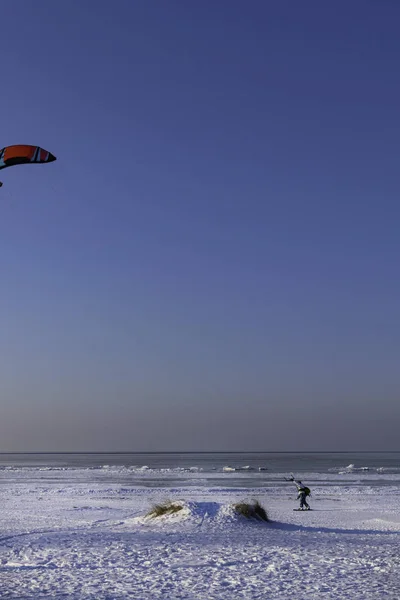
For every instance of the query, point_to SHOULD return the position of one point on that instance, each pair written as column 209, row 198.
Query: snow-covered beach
column 81, row 532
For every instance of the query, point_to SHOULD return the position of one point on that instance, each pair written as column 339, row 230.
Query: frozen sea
column 75, row 526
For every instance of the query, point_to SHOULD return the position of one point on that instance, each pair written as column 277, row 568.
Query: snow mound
column 196, row 513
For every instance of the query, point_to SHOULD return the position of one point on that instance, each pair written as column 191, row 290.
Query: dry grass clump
column 252, row 510
column 166, row 508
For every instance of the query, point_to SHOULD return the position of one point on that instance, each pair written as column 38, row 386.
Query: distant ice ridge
column 111, row 468
column 353, row 469
column 133, row 469
column 246, row 468
column 210, row 470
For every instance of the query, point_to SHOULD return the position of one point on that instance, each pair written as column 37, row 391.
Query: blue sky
column 212, row 262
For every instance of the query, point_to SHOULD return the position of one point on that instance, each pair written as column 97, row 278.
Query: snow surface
column 69, row 535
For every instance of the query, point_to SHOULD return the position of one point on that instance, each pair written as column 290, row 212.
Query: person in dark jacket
column 303, row 492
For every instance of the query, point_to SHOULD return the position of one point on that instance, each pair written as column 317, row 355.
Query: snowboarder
column 303, row 492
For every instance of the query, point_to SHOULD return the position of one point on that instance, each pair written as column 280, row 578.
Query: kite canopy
column 22, row 155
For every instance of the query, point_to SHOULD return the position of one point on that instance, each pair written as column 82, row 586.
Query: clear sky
column 213, row 261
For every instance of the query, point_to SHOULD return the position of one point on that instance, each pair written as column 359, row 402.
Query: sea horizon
column 373, row 451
